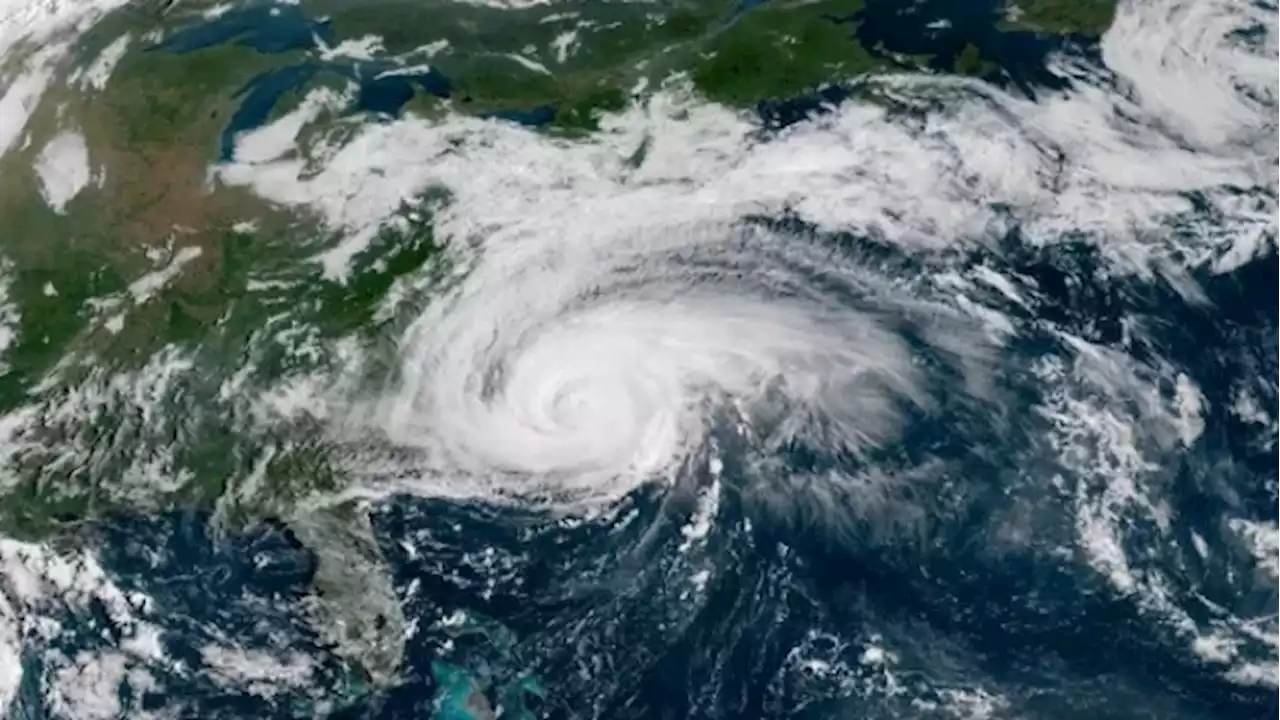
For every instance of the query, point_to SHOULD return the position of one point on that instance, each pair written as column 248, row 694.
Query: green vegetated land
column 246, row 302
column 246, row 298
column 1089, row 18
column 587, row 58
column 780, row 50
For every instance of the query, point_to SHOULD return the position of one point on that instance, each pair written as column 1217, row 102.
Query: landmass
column 146, row 301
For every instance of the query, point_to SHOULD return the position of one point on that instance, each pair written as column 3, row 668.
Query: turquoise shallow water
column 967, row 592
column 620, row 618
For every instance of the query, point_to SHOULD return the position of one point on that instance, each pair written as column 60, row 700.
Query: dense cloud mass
column 983, row 349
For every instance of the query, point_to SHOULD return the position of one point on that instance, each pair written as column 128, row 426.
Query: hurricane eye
column 692, row 359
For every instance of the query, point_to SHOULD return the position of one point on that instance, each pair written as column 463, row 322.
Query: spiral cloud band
column 614, row 312
column 572, row 374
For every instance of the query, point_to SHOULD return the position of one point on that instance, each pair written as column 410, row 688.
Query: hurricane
column 793, row 287
column 570, row 375
column 922, row 394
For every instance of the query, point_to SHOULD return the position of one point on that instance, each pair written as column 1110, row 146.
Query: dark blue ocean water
column 603, row 618
column 941, row 29
column 938, row 30
column 883, row 26
column 600, row 618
